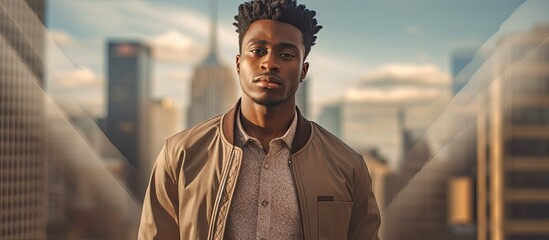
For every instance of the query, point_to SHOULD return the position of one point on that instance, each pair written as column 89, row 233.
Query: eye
column 287, row 55
column 258, row 51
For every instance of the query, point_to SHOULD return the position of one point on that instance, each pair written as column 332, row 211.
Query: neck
column 266, row 122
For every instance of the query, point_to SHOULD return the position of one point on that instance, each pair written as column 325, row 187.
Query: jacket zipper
column 290, row 164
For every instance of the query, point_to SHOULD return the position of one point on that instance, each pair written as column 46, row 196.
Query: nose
column 269, row 62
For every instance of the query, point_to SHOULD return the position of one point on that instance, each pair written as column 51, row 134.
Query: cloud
column 77, row 79
column 396, row 95
column 405, row 74
column 65, row 52
column 196, row 23
column 175, row 46
column 142, row 18
column 338, row 64
column 401, row 84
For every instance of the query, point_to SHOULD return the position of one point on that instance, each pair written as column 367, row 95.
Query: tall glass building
column 129, row 76
column 22, row 147
column 213, row 88
column 513, row 140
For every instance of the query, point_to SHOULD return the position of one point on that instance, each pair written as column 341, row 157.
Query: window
column 530, row 116
column 528, row 147
column 528, row 179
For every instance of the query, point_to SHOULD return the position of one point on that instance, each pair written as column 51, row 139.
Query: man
column 262, row 171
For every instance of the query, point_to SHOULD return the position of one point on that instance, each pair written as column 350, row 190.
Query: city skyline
column 178, row 32
column 445, row 164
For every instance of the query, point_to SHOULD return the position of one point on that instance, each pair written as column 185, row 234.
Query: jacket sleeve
column 365, row 216
column 159, row 218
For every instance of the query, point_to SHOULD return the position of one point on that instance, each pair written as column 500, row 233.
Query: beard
column 266, row 101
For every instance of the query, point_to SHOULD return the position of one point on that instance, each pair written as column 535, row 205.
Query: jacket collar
column 302, row 133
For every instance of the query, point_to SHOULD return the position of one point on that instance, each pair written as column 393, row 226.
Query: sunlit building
column 419, row 198
column 415, row 152
column 129, row 84
column 213, row 88
column 493, row 184
column 370, row 110
column 513, row 140
column 491, row 180
column 165, row 122
column 23, row 158
column 379, row 171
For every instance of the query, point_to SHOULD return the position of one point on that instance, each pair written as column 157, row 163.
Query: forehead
column 273, row 32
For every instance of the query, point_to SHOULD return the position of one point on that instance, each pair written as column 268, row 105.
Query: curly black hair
column 279, row 10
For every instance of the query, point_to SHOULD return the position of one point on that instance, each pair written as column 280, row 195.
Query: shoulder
column 204, row 131
column 331, row 143
column 325, row 148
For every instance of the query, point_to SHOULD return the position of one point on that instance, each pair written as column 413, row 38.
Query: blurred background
column 448, row 102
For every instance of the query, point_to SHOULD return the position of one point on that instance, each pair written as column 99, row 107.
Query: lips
column 268, row 81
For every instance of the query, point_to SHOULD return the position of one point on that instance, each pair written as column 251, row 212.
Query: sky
column 359, row 40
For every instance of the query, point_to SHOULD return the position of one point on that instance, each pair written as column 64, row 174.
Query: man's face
column 270, row 65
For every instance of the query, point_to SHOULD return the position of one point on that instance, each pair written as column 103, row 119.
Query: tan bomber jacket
column 194, row 177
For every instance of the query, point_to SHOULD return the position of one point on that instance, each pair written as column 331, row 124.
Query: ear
column 304, row 70
column 237, row 59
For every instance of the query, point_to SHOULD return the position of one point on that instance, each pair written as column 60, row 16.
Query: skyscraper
column 513, row 140
column 370, row 111
column 129, row 76
column 213, row 89
column 490, row 181
column 22, row 146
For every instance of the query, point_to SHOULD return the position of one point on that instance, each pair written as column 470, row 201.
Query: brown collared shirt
column 264, row 205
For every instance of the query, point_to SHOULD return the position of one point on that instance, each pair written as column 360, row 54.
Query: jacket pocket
column 333, row 219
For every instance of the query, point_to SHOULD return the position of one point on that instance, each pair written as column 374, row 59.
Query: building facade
column 126, row 125
column 23, row 157
column 213, row 88
column 491, row 179
column 513, row 140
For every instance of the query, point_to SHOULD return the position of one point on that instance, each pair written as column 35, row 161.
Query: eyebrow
column 279, row 45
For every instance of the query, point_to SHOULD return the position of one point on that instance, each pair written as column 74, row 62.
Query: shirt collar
column 288, row 137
